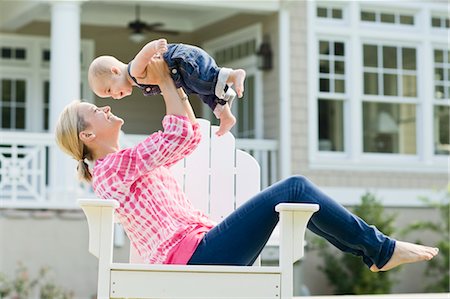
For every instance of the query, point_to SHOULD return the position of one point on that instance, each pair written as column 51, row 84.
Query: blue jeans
column 239, row 238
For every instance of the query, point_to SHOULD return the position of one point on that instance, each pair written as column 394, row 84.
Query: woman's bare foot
column 405, row 252
column 237, row 78
column 226, row 123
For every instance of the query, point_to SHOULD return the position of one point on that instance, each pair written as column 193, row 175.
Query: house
column 354, row 95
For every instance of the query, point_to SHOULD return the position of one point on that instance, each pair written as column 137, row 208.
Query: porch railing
column 25, row 172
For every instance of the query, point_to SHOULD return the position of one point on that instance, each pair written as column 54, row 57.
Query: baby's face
column 114, row 86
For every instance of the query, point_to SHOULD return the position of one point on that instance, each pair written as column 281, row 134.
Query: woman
column 160, row 221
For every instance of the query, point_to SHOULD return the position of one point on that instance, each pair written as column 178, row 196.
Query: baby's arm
column 141, row 60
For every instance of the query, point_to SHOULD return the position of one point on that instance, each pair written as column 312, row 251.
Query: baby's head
column 108, row 78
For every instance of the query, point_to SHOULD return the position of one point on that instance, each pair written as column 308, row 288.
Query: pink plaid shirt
column 155, row 213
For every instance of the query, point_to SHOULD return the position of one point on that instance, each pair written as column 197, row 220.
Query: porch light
column 137, row 37
column 264, row 55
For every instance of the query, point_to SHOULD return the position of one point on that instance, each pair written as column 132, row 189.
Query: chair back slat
column 216, row 177
column 222, row 181
column 196, row 175
column 248, row 181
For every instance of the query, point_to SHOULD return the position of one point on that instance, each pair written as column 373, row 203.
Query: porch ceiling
column 179, row 15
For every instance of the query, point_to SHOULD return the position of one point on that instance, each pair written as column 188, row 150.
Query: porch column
column 64, row 88
column 284, row 77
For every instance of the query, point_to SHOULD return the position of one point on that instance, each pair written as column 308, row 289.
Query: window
column 12, row 104
column 442, row 74
column 235, row 52
column 390, row 76
column 10, row 53
column 440, row 22
column 331, row 62
column 329, row 12
column 389, row 70
column 441, row 117
column 380, row 96
column 331, row 67
column 374, row 16
column 46, row 106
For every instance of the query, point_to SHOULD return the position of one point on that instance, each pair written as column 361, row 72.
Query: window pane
column 409, row 86
column 46, row 92
column 439, row 74
column 331, row 125
column 389, row 128
column 339, row 86
column 441, row 130
column 368, row 16
column 339, row 67
column 339, row 49
column 409, row 58
column 45, row 55
column 325, row 85
column 321, row 12
column 438, row 56
column 6, row 52
column 6, row 90
column 324, row 48
column 370, row 83
column 406, row 20
column 435, row 22
column 337, row 13
column 324, row 66
column 387, row 18
column 20, row 118
column 21, row 53
column 439, row 92
column 390, row 84
column 447, row 23
column 390, row 57
column 46, row 118
column 6, row 118
column 20, row 91
column 370, row 56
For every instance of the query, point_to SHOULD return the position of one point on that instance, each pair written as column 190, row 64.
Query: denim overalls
column 194, row 70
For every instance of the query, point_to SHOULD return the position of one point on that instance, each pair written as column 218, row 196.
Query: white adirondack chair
column 217, row 178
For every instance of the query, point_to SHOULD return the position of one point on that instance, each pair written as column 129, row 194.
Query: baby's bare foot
column 226, row 123
column 237, row 78
column 405, row 252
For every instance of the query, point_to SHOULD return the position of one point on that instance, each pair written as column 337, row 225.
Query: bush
column 347, row 273
column 21, row 286
column 439, row 267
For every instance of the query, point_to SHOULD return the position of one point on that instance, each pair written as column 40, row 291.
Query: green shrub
column 22, row 285
column 347, row 273
column 439, row 267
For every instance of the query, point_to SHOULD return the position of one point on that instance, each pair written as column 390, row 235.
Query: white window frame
column 422, row 37
column 249, row 63
column 35, row 72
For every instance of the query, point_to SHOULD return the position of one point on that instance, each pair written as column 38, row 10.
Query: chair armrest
column 88, row 202
column 100, row 218
column 303, row 207
column 294, row 218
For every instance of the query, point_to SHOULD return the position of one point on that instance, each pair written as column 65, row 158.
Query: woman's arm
column 187, row 105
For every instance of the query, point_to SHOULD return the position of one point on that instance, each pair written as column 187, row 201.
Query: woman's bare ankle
column 405, row 252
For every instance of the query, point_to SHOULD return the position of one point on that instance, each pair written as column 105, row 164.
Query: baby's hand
column 161, row 46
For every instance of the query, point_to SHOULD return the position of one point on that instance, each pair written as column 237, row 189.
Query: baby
column 191, row 68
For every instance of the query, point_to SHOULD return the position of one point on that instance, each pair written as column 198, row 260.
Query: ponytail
column 68, row 128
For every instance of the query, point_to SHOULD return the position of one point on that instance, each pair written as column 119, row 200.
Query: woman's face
column 100, row 121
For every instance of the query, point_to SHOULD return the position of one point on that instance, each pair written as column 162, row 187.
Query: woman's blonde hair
column 68, row 128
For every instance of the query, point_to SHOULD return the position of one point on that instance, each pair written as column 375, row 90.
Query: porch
column 26, row 170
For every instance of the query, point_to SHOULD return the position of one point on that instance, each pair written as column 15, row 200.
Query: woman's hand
column 157, row 71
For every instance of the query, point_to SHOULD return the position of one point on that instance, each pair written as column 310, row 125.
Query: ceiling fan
column 138, row 28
